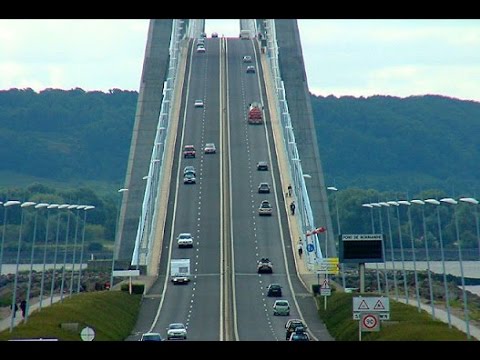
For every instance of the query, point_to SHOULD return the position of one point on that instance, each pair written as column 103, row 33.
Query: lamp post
column 412, row 243
column 395, row 203
column 380, row 221
column 51, row 206
column 57, row 236
column 459, row 246
column 427, row 254
column 6, row 205
column 19, row 246
column 474, row 202
column 334, row 189
column 32, row 254
column 385, row 204
column 442, row 254
column 379, row 286
column 70, row 207
column 79, row 207
column 370, row 206
column 85, row 209
column 120, row 191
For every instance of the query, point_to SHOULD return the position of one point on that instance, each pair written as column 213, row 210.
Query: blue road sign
column 310, row 247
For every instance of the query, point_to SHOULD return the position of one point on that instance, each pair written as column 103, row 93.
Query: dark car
column 264, row 188
column 189, row 178
column 292, row 325
column 299, row 335
column 274, row 290
column 250, row 69
column 264, row 265
column 151, row 337
column 262, row 166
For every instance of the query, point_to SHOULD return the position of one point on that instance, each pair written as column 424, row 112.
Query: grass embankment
column 112, row 314
column 405, row 323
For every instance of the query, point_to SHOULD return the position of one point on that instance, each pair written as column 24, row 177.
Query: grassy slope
column 406, row 323
column 112, row 314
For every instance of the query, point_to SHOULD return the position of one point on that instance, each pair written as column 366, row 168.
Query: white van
column 245, row 34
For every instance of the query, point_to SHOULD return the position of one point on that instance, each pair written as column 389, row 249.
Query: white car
column 198, row 103
column 185, row 240
column 176, row 331
column 281, row 307
column 200, row 49
column 247, row 59
column 210, row 148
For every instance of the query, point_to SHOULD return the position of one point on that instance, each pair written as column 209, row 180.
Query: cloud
column 91, row 54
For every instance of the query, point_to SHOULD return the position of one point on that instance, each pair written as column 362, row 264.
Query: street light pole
column 339, row 231
column 27, row 307
column 370, row 206
column 57, row 236
column 85, row 209
column 51, row 206
column 120, row 191
column 432, row 299
column 380, row 221
column 67, row 231
column 72, row 280
column 447, row 300
column 6, row 205
column 412, row 243
column 387, row 205
column 459, row 246
column 19, row 246
column 395, row 203
column 474, row 202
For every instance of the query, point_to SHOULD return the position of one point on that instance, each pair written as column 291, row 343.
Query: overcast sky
column 342, row 57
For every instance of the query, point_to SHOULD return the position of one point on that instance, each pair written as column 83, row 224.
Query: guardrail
column 147, row 222
column 303, row 206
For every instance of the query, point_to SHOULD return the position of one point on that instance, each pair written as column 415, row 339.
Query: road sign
column 371, row 304
column 381, row 316
column 325, row 291
column 327, row 271
column 325, row 284
column 370, row 322
column 361, row 248
column 87, row 334
column 126, row 273
column 310, row 247
column 326, row 266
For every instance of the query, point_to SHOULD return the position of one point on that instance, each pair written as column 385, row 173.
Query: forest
column 71, row 147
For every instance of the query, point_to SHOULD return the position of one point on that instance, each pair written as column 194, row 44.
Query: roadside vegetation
column 112, row 315
column 405, row 324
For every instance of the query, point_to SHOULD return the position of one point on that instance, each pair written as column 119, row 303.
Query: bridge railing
column 303, row 207
column 147, row 222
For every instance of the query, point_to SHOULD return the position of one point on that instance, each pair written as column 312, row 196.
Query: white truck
column 180, row 271
column 245, row 34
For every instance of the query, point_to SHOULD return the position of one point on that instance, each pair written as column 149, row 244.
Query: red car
column 188, row 151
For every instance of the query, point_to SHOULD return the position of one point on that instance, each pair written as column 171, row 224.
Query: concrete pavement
column 5, row 322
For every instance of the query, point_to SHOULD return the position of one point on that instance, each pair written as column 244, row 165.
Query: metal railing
column 147, row 222
column 303, row 206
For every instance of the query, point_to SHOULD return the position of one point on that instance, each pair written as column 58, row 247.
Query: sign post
column 128, row 273
column 361, row 249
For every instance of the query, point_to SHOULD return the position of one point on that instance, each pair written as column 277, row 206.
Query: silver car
column 176, row 331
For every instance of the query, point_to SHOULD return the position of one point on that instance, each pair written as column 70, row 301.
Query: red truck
column 255, row 113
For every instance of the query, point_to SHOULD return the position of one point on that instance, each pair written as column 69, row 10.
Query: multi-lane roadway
column 226, row 298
